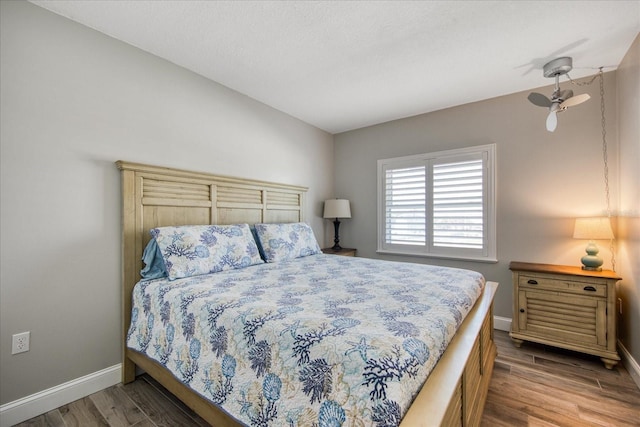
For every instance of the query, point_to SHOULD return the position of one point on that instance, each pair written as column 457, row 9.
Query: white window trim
column 489, row 252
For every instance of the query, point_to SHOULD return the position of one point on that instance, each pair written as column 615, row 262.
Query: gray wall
column 544, row 180
column 629, row 222
column 73, row 102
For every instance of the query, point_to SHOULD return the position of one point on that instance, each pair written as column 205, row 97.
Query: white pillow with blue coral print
column 203, row 249
column 282, row 242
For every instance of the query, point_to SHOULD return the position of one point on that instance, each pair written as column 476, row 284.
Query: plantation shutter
column 439, row 204
column 405, row 210
column 458, row 204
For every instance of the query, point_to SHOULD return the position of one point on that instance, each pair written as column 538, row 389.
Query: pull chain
column 606, row 166
column 604, row 154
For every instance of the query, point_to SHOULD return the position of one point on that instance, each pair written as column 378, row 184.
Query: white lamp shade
column 337, row 208
column 593, row 229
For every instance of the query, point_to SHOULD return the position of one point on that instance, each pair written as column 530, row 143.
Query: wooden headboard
column 155, row 196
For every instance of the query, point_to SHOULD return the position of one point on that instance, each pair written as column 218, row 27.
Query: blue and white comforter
column 322, row 340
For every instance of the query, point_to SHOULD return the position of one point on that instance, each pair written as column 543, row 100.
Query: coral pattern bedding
column 321, row 340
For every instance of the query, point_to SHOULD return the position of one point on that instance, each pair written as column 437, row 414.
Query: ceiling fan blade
column 552, row 121
column 539, row 99
column 575, row 100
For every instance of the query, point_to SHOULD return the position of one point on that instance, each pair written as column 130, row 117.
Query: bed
column 159, row 198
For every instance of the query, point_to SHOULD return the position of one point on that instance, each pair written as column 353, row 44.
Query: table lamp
column 336, row 208
column 592, row 229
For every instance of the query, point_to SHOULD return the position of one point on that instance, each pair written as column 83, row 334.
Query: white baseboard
column 502, row 323
column 630, row 363
column 39, row 403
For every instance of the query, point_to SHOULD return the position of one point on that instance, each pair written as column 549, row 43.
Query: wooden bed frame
column 152, row 196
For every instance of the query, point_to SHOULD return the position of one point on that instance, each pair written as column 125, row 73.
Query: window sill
column 459, row 258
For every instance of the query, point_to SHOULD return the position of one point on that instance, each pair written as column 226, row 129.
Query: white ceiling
column 342, row 65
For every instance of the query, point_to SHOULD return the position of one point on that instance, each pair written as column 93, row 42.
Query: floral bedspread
column 317, row 341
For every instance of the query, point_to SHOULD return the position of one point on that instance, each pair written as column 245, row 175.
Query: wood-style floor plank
column 554, row 380
column 198, row 421
column 160, row 410
column 82, row 413
column 117, row 407
column 145, row 423
column 531, row 386
column 50, row 419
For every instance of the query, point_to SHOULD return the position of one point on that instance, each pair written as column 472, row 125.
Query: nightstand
column 343, row 251
column 565, row 307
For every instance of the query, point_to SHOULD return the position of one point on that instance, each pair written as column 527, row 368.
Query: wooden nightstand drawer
column 586, row 288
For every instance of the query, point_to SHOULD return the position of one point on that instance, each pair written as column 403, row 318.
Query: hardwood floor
column 534, row 385
column 538, row 385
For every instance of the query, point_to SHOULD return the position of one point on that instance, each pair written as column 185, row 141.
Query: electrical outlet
column 20, row 342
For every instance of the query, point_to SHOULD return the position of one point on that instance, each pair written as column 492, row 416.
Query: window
column 439, row 204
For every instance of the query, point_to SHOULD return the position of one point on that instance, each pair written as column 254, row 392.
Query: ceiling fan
column 560, row 99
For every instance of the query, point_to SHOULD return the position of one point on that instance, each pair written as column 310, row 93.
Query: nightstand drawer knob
column 532, row 282
column 589, row 288
column 522, row 310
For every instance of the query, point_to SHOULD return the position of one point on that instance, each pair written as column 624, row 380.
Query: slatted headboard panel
column 155, row 196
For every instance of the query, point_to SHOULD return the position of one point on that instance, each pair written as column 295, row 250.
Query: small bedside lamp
column 336, row 208
column 592, row 229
